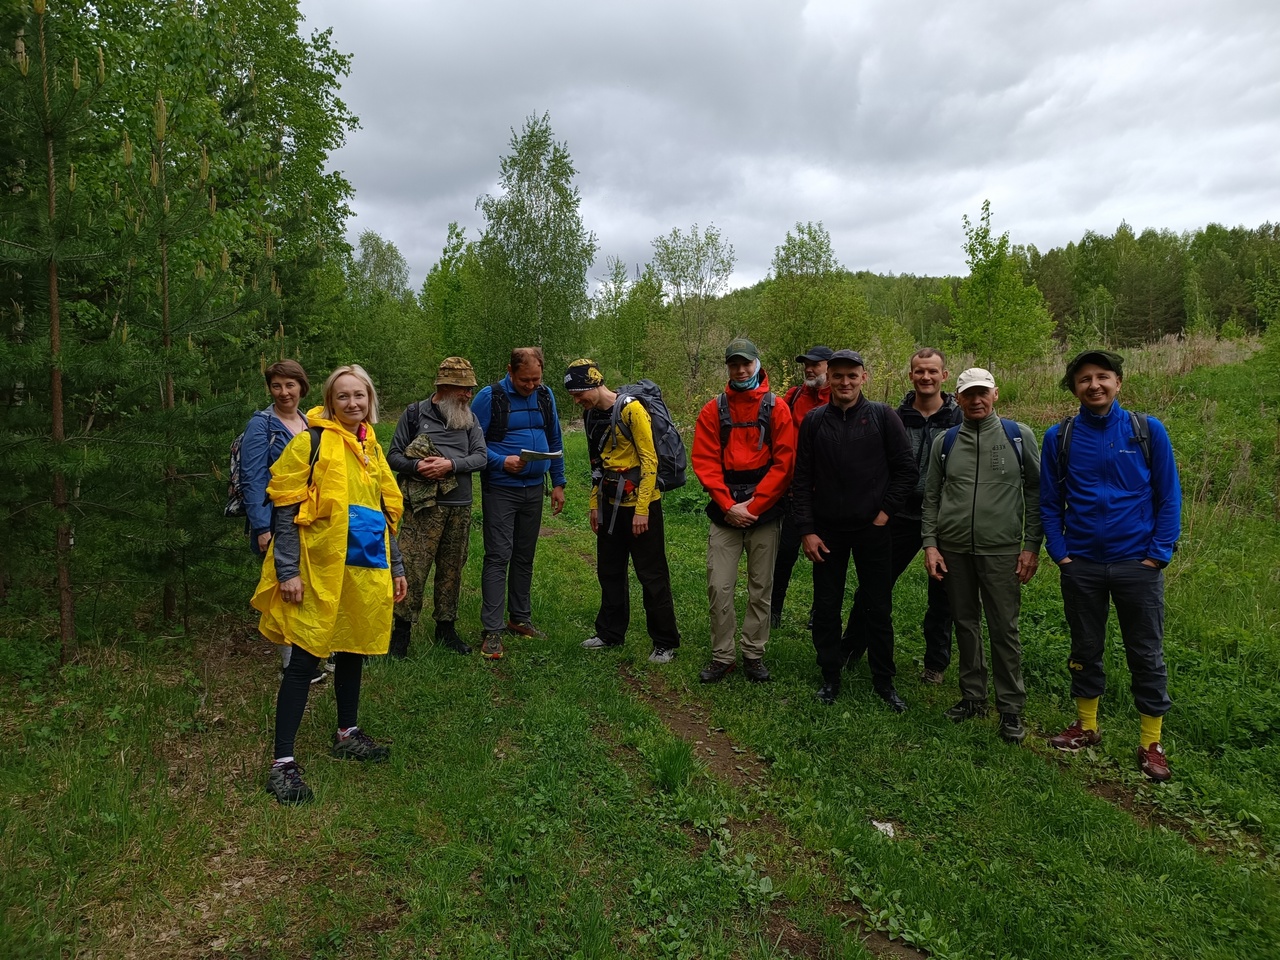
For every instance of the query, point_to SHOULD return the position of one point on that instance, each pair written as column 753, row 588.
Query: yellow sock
column 1150, row 732
column 1087, row 711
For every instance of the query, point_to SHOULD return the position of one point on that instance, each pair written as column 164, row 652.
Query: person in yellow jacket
column 626, row 514
column 332, row 569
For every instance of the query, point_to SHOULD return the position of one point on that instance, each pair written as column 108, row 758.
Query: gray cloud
column 887, row 121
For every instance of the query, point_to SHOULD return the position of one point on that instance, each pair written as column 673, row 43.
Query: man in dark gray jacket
column 927, row 412
column 437, row 445
column 982, row 534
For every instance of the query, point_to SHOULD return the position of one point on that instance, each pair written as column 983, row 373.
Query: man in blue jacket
column 523, row 417
column 1111, row 504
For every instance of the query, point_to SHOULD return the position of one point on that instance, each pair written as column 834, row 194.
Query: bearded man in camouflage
column 436, row 448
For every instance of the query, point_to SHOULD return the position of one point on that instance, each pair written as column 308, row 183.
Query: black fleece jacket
column 850, row 465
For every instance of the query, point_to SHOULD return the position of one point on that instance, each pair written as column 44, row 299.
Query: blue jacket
column 1116, row 507
column 265, row 438
column 525, row 431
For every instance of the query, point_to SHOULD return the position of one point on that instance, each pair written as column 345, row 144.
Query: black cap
column 815, row 355
column 1103, row 358
column 847, row 356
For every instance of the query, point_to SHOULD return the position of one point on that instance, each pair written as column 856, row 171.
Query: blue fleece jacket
column 1116, row 507
column 525, row 431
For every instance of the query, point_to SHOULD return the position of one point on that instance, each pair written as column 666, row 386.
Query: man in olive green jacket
column 981, row 533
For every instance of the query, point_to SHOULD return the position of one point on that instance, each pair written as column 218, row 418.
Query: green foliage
column 694, row 269
column 534, row 254
column 996, row 316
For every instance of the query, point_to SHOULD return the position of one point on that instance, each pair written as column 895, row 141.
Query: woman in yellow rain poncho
column 332, row 570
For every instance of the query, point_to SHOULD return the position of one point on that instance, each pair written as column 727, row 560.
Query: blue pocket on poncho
column 366, row 538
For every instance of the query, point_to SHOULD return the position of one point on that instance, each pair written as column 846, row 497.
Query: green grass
column 542, row 807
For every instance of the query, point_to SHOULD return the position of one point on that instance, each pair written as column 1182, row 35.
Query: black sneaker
column 358, row 745
column 1011, row 729
column 775, row 619
column 966, row 710
column 285, row 783
column 828, row 692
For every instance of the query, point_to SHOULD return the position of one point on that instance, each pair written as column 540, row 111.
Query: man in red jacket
column 803, row 397
column 744, row 451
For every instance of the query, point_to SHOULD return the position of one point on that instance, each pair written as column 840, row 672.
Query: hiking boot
column 491, row 646
column 525, row 629
column 716, row 671
column 1152, row 762
column 755, row 670
column 398, row 646
column 1011, row 728
column 890, row 696
column 1075, row 738
column 447, row 636
column 966, row 710
column 285, row 783
column 662, row 655
column 358, row 745
column 934, row 677
column 828, row 692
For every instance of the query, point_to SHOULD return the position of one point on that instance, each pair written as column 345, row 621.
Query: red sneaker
column 1075, row 738
column 1152, row 762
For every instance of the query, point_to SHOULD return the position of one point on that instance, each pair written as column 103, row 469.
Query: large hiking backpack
column 500, row 411
column 672, row 461
column 1010, row 430
column 235, row 485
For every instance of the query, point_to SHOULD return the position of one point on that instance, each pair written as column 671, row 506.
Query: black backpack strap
column 315, row 434
column 545, row 407
column 499, row 413
column 1142, row 433
column 1065, row 428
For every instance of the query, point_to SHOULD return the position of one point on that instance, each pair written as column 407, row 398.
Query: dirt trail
column 733, row 764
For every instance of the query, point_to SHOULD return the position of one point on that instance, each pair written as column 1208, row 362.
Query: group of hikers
column 349, row 537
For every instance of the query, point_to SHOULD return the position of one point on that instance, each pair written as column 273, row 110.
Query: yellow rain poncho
column 345, row 556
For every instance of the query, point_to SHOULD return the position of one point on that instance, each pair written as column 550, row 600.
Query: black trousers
column 785, row 561
column 871, row 617
column 905, row 533
column 1088, row 591
column 648, row 554
column 291, row 701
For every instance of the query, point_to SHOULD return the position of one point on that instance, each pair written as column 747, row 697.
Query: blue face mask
column 749, row 384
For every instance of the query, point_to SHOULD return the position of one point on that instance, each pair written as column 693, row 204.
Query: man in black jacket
column 854, row 471
column 927, row 412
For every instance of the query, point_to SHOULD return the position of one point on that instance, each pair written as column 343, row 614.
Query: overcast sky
column 887, row 121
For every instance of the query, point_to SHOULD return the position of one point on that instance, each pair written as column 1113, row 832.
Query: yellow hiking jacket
column 344, row 517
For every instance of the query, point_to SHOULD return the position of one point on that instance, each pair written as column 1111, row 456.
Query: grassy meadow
column 572, row 804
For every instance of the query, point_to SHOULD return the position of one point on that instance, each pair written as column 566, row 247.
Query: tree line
column 168, row 227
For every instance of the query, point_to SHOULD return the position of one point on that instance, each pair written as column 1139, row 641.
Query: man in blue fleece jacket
column 1111, row 505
